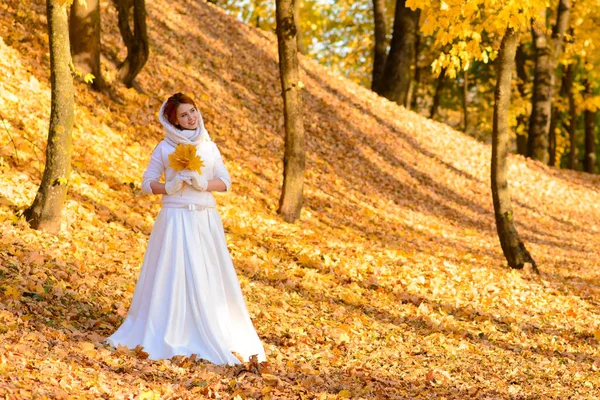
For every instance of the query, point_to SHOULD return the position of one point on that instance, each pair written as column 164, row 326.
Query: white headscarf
column 175, row 136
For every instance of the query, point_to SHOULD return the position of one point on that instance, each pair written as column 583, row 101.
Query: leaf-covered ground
column 392, row 284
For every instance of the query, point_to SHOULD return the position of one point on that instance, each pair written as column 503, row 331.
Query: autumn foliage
column 185, row 157
column 392, row 284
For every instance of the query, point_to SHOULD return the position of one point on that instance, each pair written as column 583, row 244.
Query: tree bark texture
column 573, row 117
column 521, row 59
column 440, row 82
column 290, row 202
column 465, row 101
column 589, row 117
column 380, row 50
column 556, row 118
column 547, row 52
column 539, row 121
column 45, row 212
column 135, row 40
column 513, row 248
column 84, row 36
column 397, row 74
column 413, row 91
column 299, row 33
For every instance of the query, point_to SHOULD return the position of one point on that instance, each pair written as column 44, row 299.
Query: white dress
column 188, row 298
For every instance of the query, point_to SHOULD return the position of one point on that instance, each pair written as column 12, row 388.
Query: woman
column 188, row 299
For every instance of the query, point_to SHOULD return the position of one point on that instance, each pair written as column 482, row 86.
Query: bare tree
column 46, row 209
column 589, row 118
column 556, row 117
column 397, row 75
column 84, row 36
column 573, row 117
column 440, row 82
column 547, row 52
column 135, row 40
column 513, row 248
column 465, row 100
column 290, row 202
column 380, row 50
column 521, row 59
column 299, row 32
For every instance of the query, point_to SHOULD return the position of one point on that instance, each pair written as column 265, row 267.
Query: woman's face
column 187, row 116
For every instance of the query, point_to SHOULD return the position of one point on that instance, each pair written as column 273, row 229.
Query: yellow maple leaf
column 122, row 349
column 270, row 380
column 89, row 78
column 185, row 157
column 139, row 351
column 149, row 395
column 12, row 291
column 88, row 349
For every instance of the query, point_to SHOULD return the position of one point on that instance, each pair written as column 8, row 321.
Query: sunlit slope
column 392, row 284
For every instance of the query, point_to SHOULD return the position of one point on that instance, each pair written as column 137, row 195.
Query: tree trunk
column 440, row 82
column 521, row 59
column 413, row 91
column 589, row 163
column 84, row 35
column 136, row 41
column 299, row 33
column 397, row 72
column 513, row 248
column 589, row 116
column 539, row 122
column 572, row 163
column 290, row 202
column 546, row 54
column 465, row 101
column 380, row 50
column 46, row 209
column 556, row 119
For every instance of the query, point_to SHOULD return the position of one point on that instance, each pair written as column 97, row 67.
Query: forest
column 414, row 208
column 451, row 77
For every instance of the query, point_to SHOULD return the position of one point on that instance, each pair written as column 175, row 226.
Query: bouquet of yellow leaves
column 185, row 157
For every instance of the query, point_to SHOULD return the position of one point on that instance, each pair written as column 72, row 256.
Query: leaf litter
column 391, row 285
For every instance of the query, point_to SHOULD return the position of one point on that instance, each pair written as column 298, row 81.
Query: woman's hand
column 174, row 185
column 198, row 182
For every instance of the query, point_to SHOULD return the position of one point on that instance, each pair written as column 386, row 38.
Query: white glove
column 174, row 185
column 198, row 182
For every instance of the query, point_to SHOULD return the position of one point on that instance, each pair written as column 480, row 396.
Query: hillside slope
column 392, row 284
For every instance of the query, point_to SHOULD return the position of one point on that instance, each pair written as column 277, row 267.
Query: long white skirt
column 188, row 298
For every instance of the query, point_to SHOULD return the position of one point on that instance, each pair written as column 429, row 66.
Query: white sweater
column 214, row 168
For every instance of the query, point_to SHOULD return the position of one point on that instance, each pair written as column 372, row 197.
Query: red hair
column 171, row 107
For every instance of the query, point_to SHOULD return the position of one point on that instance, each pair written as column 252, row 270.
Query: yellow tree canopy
column 460, row 25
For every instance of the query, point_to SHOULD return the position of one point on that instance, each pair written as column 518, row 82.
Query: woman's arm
column 151, row 178
column 158, row 188
column 220, row 173
column 216, row 185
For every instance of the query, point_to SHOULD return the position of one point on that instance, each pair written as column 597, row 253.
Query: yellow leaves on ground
column 12, row 292
column 391, row 285
column 88, row 349
column 270, row 380
column 149, row 395
column 185, row 157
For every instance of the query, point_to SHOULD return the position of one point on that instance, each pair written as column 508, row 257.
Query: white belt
column 191, row 207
